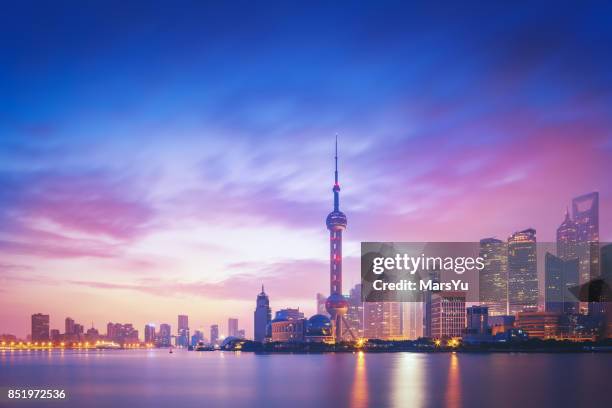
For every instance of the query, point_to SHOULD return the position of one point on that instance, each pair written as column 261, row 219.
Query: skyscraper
column 321, row 299
column 493, row 279
column 149, row 333
column 382, row 320
column 355, row 312
column 164, row 337
column 447, row 314
column 585, row 210
column 261, row 316
column 69, row 326
column 567, row 239
column 522, row 271
column 337, row 306
column 477, row 320
column 183, row 330
column 40, row 327
column 214, row 334
column 232, row 327
column 560, row 276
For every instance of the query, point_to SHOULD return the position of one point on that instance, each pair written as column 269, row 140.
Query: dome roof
column 336, row 219
column 336, row 304
column 319, row 325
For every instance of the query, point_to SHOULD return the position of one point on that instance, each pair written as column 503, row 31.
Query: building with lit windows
column 262, row 316
column 493, row 279
column 447, row 314
column 522, row 272
column 559, row 278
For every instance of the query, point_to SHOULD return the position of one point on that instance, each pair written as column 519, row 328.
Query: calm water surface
column 155, row 378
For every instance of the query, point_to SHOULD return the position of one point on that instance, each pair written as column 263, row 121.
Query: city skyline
column 142, row 175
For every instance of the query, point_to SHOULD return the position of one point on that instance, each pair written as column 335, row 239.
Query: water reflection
column 453, row 386
column 359, row 396
column 408, row 380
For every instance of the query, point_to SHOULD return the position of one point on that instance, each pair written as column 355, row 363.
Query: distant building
column 447, row 314
column 164, row 336
column 197, row 337
column 321, row 299
column 477, row 320
column 40, row 327
column 149, row 333
column 69, row 326
column 585, row 211
column 182, row 339
column 412, row 320
column 500, row 324
column 319, row 329
column 241, row 334
column 354, row 316
column 567, row 239
column 559, row 277
column 382, row 320
column 121, row 333
column 289, row 314
column 214, row 334
column 54, row 335
column 493, row 279
column 522, row 272
column 539, row 325
column 232, row 327
column 288, row 326
column 262, row 316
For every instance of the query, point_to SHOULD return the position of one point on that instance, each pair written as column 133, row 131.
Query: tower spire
column 336, row 188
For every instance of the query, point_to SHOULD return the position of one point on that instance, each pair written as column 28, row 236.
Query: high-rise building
column 585, row 211
column 522, row 271
column 477, row 320
column 447, row 314
column 412, row 320
column 40, row 327
column 183, row 331
column 262, row 316
column 336, row 305
column 149, row 333
column 321, row 299
column 232, row 327
column 567, row 239
column 382, row 320
column 241, row 334
column 121, row 333
column 354, row 315
column 560, row 276
column 69, row 326
column 493, row 279
column 214, row 334
column 197, row 337
column 434, row 276
column 164, row 336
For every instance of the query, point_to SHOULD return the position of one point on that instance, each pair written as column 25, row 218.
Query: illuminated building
column 337, row 306
column 560, row 276
column 164, row 336
column 183, row 331
column 382, row 320
column 477, row 320
column 447, row 314
column 149, row 333
column 232, row 327
column 261, row 316
column 522, row 272
column 319, row 329
column 288, row 326
column 354, row 315
column 500, row 324
column 539, row 325
column 40, row 327
column 567, row 239
column 289, row 314
column 214, row 334
column 412, row 320
column 493, row 279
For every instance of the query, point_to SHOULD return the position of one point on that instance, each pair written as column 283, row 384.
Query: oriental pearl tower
column 336, row 304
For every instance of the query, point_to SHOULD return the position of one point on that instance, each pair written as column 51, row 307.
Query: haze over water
column 155, row 378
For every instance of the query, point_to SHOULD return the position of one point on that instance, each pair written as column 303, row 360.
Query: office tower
column 214, row 334
column 121, row 333
column 69, row 326
column 54, row 335
column 183, row 331
column 164, row 337
column 522, row 272
column 354, row 315
column 197, row 337
column 232, row 327
column 78, row 329
column 149, row 333
column 477, row 320
column 560, row 276
column 321, row 299
column 434, row 276
column 412, row 320
column 585, row 211
column 447, row 314
column 606, row 275
column 40, row 327
column 382, row 320
column 262, row 316
column 493, row 279
column 567, row 239
column 336, row 305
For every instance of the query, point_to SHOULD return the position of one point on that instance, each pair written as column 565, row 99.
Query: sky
column 165, row 158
